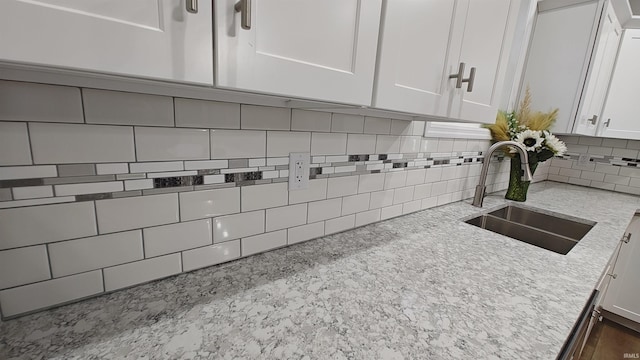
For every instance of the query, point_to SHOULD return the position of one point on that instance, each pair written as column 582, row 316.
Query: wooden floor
column 611, row 341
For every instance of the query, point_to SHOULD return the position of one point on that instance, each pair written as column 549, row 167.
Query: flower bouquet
column 532, row 130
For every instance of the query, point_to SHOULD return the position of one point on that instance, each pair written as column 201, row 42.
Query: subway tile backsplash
column 139, row 187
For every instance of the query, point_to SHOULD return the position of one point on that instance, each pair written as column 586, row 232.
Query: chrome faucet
column 524, row 157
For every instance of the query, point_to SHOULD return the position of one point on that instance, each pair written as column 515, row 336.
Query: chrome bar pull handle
column 244, row 8
column 593, row 120
column 192, row 6
column 606, row 123
column 471, row 79
column 458, row 76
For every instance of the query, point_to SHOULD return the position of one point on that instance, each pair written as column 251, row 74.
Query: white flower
column 556, row 145
column 531, row 139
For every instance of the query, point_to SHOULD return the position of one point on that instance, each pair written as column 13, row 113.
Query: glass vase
column 517, row 190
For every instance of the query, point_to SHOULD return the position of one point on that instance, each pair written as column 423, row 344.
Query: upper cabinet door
column 595, row 92
column 142, row 38
column 620, row 114
column 414, row 44
column 322, row 50
column 486, row 46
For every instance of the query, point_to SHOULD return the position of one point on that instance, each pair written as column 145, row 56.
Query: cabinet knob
column 459, row 76
column 244, row 8
column 606, row 123
column 470, row 80
column 192, row 6
column 593, row 120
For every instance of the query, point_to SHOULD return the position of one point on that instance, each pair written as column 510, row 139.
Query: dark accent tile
column 209, row 172
column 429, row 159
column 399, row 165
column 616, row 165
column 91, row 197
column 78, row 179
column 123, row 194
column 629, row 159
column 427, row 166
column 238, row 163
column 5, row 195
column 441, row 162
column 353, row 158
column 375, row 171
column 178, row 181
column 387, row 161
column 229, row 178
column 167, row 190
column 468, row 160
column 67, row 170
column 21, row 182
column 382, row 157
column 315, row 171
column 254, row 175
column 633, row 165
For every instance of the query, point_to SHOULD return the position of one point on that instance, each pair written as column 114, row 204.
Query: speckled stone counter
column 422, row 286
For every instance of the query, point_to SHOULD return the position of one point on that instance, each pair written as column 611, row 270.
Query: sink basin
column 552, row 231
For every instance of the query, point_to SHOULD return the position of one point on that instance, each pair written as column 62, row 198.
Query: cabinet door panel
column 486, row 44
column 313, row 49
column 146, row 38
column 597, row 84
column 412, row 62
column 621, row 108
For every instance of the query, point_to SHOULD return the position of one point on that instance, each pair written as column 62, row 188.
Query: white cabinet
column 141, row 38
column 620, row 114
column 323, row 50
column 424, row 42
column 623, row 294
column 570, row 60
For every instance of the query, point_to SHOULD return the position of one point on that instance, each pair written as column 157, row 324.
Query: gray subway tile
column 123, row 194
column 77, row 179
column 206, row 114
column 21, row 183
column 123, row 108
column 167, row 190
column 238, row 163
column 76, row 170
column 130, row 176
column 5, row 194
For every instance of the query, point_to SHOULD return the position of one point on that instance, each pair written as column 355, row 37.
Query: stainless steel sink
column 552, row 231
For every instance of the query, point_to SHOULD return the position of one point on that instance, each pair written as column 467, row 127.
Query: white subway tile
column 361, row 144
column 328, row 144
column 375, row 125
column 206, row 164
column 156, row 144
column 429, row 203
column 633, row 172
column 337, row 158
column 88, row 188
column 402, row 195
column 411, row 206
column 367, row 217
column 558, row 178
column 449, row 172
column 455, row 185
column 616, row 143
column 355, row 203
column 562, row 163
column 156, row 166
column 381, row 199
column 433, row 175
column 429, row 145
column 597, row 150
column 344, row 169
column 259, row 243
column 278, row 161
column 209, row 203
column 591, row 141
column 601, row 185
column 590, row 175
column 79, row 143
column 281, row 143
column 286, row 216
column 401, row 127
column 387, row 144
column 27, row 172
column 339, row 224
column 172, row 174
column 633, row 144
column 14, row 144
column 23, row 266
column 371, row 182
column 42, row 224
column 439, row 188
column 588, row 167
column 347, row 123
column 264, row 196
column 394, row 180
column 265, row 118
column 445, row 145
column 304, row 120
column 232, row 227
column 167, row 239
column 625, row 153
column 415, row 177
column 607, row 169
column 139, row 272
column 615, row 179
column 210, row 255
column 577, row 181
column 578, row 149
column 342, row 186
column 138, row 184
column 49, row 293
column 284, row 173
column 445, row 199
column 422, row 191
column 418, row 127
column 23, row 101
column 325, row 209
column 33, row 202
column 635, row 182
column 410, row 144
column 317, row 190
column 124, row 108
column 206, row 114
column 628, row 189
column 76, row 256
column 270, row 174
column 305, row 232
column 32, row 192
column 260, row 161
column 136, row 212
column 238, row 144
column 213, row 179
column 112, row 168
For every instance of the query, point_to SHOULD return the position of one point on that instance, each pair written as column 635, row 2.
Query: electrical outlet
column 584, row 159
column 299, row 171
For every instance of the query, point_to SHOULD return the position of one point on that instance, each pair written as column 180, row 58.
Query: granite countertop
column 425, row 285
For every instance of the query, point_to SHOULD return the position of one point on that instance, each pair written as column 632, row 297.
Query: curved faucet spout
column 524, row 158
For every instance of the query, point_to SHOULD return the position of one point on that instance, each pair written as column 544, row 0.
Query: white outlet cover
column 299, row 171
